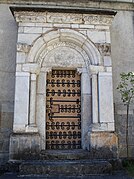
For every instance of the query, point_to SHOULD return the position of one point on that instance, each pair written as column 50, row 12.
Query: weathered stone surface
column 121, row 132
column 100, row 4
column 107, row 61
column 6, row 124
column 8, row 37
column 97, row 37
column 24, row 146
column 21, row 104
column 105, row 144
column 106, row 112
column 93, row 154
column 66, row 168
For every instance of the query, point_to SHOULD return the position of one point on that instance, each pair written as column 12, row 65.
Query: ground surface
column 116, row 175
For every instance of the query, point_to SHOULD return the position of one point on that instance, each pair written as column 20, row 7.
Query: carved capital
column 23, row 47
column 32, row 68
column 105, row 48
column 79, row 70
column 46, row 69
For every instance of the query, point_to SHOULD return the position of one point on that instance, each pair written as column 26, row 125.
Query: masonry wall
column 122, row 60
column 8, row 33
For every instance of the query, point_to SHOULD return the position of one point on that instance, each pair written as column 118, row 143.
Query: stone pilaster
column 32, row 127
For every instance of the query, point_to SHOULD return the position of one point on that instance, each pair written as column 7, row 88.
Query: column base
column 103, row 145
column 24, row 146
column 31, row 128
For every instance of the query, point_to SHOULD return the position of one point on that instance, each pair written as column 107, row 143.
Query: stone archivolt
column 64, row 38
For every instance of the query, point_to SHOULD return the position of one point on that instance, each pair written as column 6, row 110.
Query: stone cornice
column 70, row 4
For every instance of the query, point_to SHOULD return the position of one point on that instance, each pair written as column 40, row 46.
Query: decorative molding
column 96, row 69
column 66, row 18
column 30, row 16
column 97, row 19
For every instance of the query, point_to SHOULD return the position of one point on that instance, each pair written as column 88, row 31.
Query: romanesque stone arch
column 64, row 37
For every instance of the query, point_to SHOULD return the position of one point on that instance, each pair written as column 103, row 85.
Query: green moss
column 129, row 167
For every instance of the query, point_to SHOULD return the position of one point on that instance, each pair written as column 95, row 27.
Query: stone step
column 74, row 155
column 66, row 167
column 64, row 154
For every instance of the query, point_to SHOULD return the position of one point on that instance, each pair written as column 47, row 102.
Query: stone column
column 32, row 127
column 85, row 106
column 95, row 118
column 41, row 105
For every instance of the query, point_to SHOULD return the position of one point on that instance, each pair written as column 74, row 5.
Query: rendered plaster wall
column 122, row 36
column 8, row 33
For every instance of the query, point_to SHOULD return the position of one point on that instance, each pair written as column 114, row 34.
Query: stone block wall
column 122, row 37
column 8, row 33
column 6, row 123
column 120, row 119
column 24, row 146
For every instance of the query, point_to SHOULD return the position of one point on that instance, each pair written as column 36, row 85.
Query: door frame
column 86, row 114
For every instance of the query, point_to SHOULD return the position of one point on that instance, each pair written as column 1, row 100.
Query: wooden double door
column 63, row 115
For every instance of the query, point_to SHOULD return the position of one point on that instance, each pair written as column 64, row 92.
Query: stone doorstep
column 67, row 168
column 67, row 163
column 76, row 154
column 63, row 163
column 64, row 154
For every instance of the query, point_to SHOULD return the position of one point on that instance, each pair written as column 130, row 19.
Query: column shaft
column 95, row 99
column 32, row 121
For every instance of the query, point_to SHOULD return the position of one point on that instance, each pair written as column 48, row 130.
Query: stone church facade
column 60, row 66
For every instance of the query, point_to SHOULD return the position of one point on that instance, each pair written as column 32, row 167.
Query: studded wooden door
column 63, row 125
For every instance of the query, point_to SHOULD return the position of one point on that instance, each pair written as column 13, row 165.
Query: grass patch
column 129, row 167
